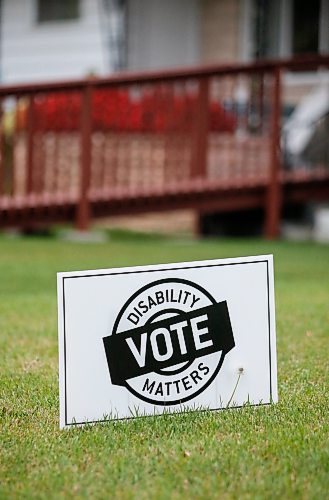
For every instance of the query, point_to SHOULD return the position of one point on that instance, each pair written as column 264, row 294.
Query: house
column 138, row 131
column 60, row 39
column 56, row 39
column 64, row 39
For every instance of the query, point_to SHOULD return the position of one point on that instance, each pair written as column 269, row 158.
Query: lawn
column 278, row 451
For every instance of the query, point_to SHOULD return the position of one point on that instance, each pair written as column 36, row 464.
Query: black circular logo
column 168, row 342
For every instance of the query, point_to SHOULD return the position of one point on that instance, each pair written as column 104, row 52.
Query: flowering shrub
column 117, row 110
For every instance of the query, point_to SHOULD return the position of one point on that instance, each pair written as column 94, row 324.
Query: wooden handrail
column 306, row 63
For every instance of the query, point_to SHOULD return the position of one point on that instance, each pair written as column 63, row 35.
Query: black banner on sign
column 168, row 342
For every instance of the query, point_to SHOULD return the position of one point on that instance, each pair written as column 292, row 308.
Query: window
column 283, row 28
column 57, row 10
column 306, row 23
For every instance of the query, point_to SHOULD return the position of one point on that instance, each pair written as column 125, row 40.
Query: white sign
column 142, row 340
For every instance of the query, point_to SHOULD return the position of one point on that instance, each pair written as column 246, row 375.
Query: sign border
column 61, row 277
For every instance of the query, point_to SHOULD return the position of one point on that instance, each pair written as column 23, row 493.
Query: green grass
column 280, row 451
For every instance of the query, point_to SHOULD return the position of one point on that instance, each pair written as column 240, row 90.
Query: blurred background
column 213, row 112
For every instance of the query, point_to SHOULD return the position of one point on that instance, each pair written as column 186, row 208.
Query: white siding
column 162, row 33
column 50, row 50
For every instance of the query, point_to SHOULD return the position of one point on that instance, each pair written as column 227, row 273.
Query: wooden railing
column 74, row 149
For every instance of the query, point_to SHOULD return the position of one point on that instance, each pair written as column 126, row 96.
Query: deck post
column 83, row 208
column 200, row 130
column 30, row 146
column 274, row 195
column 199, row 141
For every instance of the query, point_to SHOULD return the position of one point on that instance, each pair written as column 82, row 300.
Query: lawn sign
column 145, row 340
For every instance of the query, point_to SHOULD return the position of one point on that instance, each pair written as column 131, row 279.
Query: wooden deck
column 75, row 151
